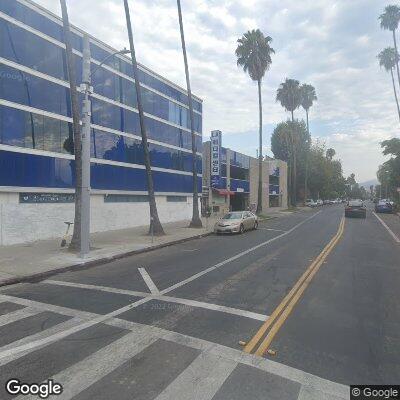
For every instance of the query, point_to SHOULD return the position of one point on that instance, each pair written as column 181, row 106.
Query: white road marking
column 8, row 353
column 90, row 370
column 200, row 380
column 309, row 393
column 19, row 350
column 193, row 303
column 17, row 315
column 97, row 287
column 48, row 307
column 320, row 384
column 396, row 239
column 243, row 253
column 214, row 307
column 149, row 282
column 270, row 229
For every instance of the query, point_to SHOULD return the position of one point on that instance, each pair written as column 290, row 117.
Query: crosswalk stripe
column 9, row 355
column 200, row 380
column 17, row 315
column 328, row 388
column 48, row 307
column 309, row 393
column 90, row 370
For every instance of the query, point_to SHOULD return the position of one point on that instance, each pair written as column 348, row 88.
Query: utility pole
column 86, row 118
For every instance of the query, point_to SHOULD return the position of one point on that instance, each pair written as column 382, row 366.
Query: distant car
column 236, row 222
column 326, row 202
column 320, row 202
column 355, row 208
column 310, row 203
column 384, row 206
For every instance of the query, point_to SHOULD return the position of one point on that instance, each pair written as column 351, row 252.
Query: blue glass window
column 111, row 116
column 20, row 87
column 38, row 22
column 109, row 146
column 126, row 67
column 31, row 130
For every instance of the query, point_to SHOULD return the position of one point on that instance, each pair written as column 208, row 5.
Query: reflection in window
column 35, row 131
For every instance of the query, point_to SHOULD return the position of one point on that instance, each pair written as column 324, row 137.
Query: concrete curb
column 92, row 263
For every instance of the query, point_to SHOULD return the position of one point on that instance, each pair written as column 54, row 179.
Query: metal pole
column 86, row 117
column 152, row 229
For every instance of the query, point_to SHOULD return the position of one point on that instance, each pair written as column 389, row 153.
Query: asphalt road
column 167, row 324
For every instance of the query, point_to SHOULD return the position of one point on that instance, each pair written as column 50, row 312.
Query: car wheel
column 241, row 230
column 255, row 225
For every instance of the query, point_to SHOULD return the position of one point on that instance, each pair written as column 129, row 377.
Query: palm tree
column 289, row 95
column 196, row 221
column 308, row 96
column 76, row 236
column 155, row 224
column 330, row 153
column 390, row 21
column 254, row 56
column 387, row 59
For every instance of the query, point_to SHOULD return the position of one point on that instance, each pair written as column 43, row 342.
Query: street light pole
column 86, row 117
column 87, row 90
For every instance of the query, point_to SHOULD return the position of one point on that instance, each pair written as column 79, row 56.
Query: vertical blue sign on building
column 216, row 139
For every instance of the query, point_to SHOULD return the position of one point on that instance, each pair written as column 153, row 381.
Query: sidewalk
column 42, row 258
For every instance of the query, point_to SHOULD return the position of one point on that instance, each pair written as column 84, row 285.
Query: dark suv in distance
column 355, row 208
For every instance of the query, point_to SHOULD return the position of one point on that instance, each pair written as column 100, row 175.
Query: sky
column 330, row 44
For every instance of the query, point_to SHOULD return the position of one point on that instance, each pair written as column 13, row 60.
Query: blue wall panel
column 27, row 170
column 239, row 184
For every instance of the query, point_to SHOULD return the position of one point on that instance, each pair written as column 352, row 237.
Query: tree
column 155, row 224
column 390, row 21
column 387, row 59
column 254, row 56
column 389, row 172
column 289, row 95
column 391, row 147
column 330, row 153
column 196, row 221
column 326, row 179
column 281, row 140
column 76, row 236
column 308, row 96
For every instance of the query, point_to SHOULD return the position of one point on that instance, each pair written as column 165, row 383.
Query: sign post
column 216, row 139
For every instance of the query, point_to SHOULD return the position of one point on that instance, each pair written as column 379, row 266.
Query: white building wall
column 24, row 223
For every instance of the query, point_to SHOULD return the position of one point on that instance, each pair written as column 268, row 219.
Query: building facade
column 237, row 186
column 36, row 161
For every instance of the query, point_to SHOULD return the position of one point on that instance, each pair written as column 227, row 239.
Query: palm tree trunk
column 306, row 168
column 294, row 167
column 76, row 236
column 395, row 92
column 259, row 197
column 397, row 59
column 155, row 224
column 196, row 221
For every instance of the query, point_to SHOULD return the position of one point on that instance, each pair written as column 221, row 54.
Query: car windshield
column 355, row 203
column 233, row 215
column 383, row 202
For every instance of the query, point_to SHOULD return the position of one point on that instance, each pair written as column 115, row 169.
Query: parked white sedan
column 310, row 203
column 236, row 222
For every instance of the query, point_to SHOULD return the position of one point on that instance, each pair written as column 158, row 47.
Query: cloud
column 330, row 44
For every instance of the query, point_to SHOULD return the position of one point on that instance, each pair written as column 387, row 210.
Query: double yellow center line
column 280, row 314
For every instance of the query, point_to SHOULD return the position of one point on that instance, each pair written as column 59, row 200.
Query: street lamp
column 87, row 90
